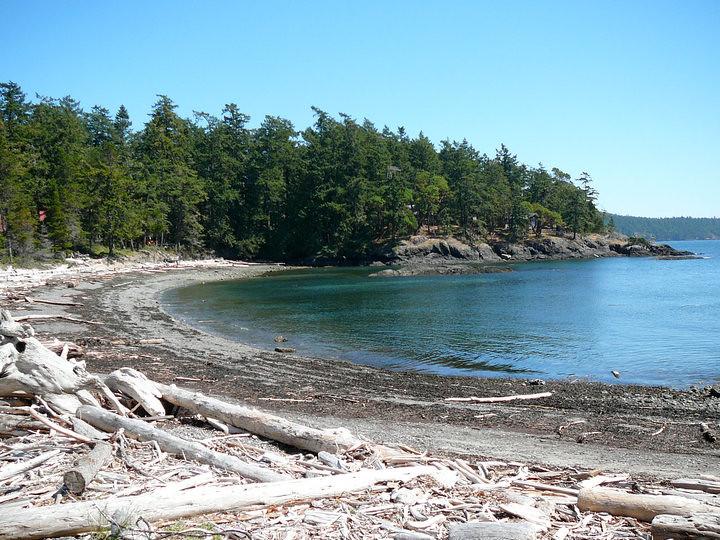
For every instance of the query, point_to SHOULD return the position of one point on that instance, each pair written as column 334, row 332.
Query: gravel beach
column 646, row 431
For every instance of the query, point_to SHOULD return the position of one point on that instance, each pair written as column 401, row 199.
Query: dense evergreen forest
column 675, row 228
column 75, row 180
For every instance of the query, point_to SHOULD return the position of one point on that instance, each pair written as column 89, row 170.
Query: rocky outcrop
column 440, row 269
column 423, row 255
column 556, row 248
column 639, row 247
column 423, row 247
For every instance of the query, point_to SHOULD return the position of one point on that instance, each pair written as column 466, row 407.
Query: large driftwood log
column 170, row 504
column 137, row 429
column 261, row 423
column 642, row 507
column 695, row 527
column 83, row 428
column 30, row 368
column 700, row 484
column 137, row 386
column 500, row 399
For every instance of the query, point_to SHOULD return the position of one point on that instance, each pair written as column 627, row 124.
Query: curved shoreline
column 614, row 422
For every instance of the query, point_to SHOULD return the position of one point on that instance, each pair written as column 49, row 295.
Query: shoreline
column 586, row 424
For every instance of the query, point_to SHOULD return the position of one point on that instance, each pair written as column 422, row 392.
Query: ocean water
column 657, row 322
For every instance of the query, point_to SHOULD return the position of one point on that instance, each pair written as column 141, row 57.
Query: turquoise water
column 655, row 321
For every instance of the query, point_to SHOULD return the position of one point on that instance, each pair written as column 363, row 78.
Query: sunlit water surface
column 655, row 321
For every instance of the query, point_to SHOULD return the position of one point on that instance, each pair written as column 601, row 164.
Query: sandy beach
column 646, row 431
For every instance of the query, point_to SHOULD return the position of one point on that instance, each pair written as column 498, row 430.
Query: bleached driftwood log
column 83, row 428
column 492, row 531
column 28, row 367
column 500, row 399
column 30, row 300
column 700, row 484
column 87, row 467
column 643, row 507
column 695, row 527
column 169, row 504
column 261, row 423
column 142, row 431
column 137, row 386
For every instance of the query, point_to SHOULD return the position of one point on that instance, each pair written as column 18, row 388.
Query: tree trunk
column 87, row 467
column 643, row 507
column 695, row 527
column 170, row 504
column 261, row 423
column 142, row 431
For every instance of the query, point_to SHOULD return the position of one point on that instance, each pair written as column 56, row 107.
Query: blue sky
column 626, row 90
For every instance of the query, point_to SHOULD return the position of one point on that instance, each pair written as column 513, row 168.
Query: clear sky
column 626, row 90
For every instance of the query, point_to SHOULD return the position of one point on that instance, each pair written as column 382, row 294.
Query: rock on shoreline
column 443, row 269
column 426, row 256
column 425, row 250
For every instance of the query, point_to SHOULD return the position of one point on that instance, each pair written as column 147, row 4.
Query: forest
column 669, row 228
column 73, row 180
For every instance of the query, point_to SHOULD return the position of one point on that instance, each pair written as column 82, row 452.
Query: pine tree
column 172, row 189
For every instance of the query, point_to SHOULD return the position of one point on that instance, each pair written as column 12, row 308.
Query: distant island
column 674, row 228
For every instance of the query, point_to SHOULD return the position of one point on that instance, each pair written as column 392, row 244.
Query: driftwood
column 642, row 507
column 501, row 399
column 137, row 429
column 87, row 467
column 30, row 368
column 15, row 425
column 13, row 469
column 73, row 350
column 51, row 302
column 708, row 486
column 169, row 504
column 83, row 428
column 261, row 423
column 492, row 531
column 25, row 318
column 708, row 498
column 136, row 385
column 59, row 429
column 695, row 527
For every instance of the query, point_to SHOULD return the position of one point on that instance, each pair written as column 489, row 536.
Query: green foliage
column 544, row 218
column 340, row 188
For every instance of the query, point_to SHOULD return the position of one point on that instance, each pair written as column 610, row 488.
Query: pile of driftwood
column 81, row 453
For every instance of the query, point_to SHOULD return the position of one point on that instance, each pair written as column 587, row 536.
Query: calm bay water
column 657, row 322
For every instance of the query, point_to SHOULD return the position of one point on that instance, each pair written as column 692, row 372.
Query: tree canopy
column 341, row 188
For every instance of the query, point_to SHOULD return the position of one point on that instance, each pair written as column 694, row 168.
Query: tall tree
column 172, row 190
